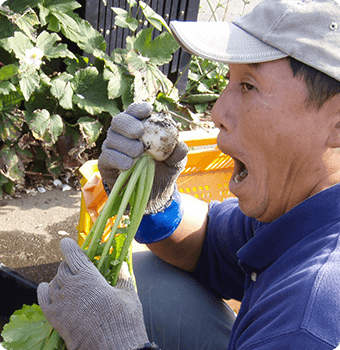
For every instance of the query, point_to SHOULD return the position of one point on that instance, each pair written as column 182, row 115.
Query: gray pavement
column 224, row 10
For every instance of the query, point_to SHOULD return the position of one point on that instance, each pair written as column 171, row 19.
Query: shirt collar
column 272, row 240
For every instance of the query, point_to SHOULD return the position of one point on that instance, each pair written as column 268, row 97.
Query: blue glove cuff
column 156, row 227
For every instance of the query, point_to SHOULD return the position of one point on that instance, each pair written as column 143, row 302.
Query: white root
column 160, row 136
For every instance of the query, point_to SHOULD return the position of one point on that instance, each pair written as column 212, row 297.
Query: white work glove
column 86, row 311
column 122, row 146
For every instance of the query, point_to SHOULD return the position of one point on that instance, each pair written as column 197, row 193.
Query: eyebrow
column 254, row 65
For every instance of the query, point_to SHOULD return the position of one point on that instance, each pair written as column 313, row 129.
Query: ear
column 333, row 140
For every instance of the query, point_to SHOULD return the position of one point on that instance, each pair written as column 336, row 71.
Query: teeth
column 240, row 177
column 244, row 173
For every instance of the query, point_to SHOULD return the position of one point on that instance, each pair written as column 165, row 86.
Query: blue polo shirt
column 287, row 273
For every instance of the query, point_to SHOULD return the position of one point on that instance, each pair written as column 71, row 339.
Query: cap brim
column 222, row 42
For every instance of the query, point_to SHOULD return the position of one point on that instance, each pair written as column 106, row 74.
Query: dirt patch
column 31, row 229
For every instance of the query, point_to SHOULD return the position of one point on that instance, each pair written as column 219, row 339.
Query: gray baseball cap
column 308, row 30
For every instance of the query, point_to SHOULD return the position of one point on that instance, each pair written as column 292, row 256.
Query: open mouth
column 240, row 171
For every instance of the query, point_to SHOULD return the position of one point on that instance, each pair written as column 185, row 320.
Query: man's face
column 277, row 142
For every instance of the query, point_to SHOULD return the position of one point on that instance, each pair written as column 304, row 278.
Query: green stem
column 142, row 198
column 98, row 229
column 212, row 11
column 195, row 84
column 128, row 192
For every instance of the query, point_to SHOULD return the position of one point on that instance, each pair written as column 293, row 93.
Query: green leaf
column 11, row 122
column 127, row 95
column 149, row 80
column 62, row 90
column 68, row 24
column 28, row 83
column 6, row 185
column 12, row 99
column 124, row 19
column 154, row 78
column 9, row 187
column 203, row 88
column 90, row 39
column 58, row 84
column 24, row 21
column 21, row 5
column 132, row 3
column 90, row 92
column 90, row 129
column 193, row 76
column 201, row 107
column 156, row 20
column 3, row 180
column 7, row 28
column 44, row 126
column 53, row 24
column 29, row 329
column 117, row 81
column 202, row 98
column 12, row 165
column 136, row 62
column 72, row 26
column 74, row 64
column 27, row 21
column 120, row 85
column 47, row 43
column 18, row 44
column 6, row 87
column 159, row 50
column 41, row 100
column 8, row 71
column 61, row 5
column 43, row 13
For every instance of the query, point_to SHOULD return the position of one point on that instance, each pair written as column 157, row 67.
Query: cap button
column 333, row 25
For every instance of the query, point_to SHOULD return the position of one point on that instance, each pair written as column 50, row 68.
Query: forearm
column 183, row 248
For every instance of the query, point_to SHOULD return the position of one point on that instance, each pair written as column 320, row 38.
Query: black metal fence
column 102, row 18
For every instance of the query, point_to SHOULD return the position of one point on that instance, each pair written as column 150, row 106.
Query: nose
column 220, row 113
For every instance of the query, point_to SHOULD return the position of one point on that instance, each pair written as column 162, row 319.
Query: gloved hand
column 122, row 146
column 86, row 311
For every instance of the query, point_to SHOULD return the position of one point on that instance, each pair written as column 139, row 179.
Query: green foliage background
column 52, row 112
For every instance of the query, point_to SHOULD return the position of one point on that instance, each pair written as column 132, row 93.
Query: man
column 276, row 246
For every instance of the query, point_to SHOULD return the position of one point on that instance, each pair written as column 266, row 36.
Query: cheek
column 271, row 124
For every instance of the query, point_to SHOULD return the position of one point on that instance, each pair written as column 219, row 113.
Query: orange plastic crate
column 206, row 175
column 208, row 170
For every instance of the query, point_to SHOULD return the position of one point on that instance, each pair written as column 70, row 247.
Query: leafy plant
column 54, row 103
column 206, row 81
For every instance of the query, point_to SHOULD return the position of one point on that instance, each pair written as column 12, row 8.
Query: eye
column 247, row 87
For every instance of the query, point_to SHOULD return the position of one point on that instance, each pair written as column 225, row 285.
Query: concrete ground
column 224, row 10
column 32, row 227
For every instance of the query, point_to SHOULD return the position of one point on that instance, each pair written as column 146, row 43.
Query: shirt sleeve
column 228, row 230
